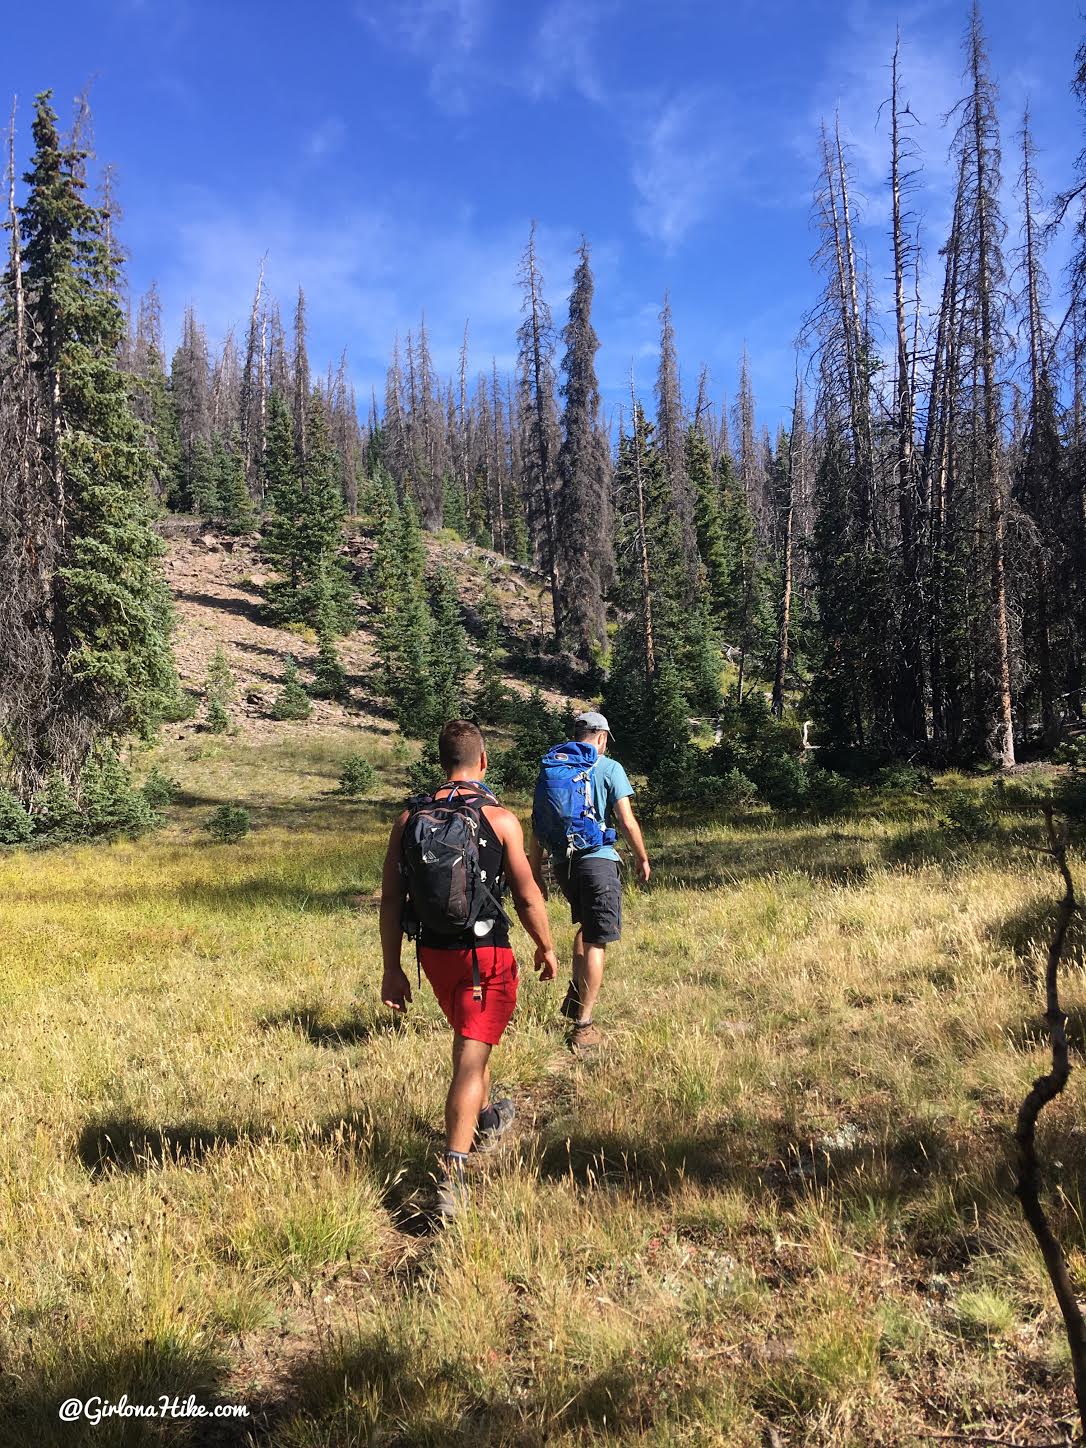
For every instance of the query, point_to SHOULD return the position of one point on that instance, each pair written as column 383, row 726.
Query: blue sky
column 389, row 157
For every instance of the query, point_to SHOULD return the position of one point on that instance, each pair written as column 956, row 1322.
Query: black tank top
column 491, row 862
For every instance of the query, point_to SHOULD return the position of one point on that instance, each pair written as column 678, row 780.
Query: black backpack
column 444, row 890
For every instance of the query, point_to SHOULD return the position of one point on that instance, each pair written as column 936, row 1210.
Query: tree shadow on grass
column 867, row 1172
column 716, row 864
column 1031, row 1034
column 1028, row 932
column 366, row 1389
column 328, row 811
column 404, row 1173
column 123, row 1144
column 165, row 1365
column 350, row 1030
column 247, row 894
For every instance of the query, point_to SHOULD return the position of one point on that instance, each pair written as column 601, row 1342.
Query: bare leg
column 578, row 962
column 591, row 978
column 468, row 1093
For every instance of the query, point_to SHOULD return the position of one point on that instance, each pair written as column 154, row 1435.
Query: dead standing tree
column 1045, row 1089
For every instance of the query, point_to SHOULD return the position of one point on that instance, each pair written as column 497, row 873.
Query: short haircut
column 581, row 731
column 460, row 743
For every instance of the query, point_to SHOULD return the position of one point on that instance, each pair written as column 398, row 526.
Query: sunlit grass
column 780, row 1192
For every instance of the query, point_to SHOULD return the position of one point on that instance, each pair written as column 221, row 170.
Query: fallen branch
column 1044, row 1090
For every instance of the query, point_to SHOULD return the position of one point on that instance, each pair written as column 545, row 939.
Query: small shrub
column 356, row 775
column 58, row 817
column 426, row 773
column 782, row 781
column 828, row 792
column 401, row 750
column 329, row 676
column 16, row 826
column 902, row 779
column 180, row 708
column 292, row 701
column 731, row 790
column 965, row 818
column 219, row 690
column 514, row 769
column 229, row 823
column 216, row 720
column 160, row 788
column 1070, row 796
column 109, row 803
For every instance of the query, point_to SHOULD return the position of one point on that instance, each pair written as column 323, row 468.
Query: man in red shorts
column 473, row 974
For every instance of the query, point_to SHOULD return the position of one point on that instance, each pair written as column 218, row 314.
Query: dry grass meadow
column 777, row 1203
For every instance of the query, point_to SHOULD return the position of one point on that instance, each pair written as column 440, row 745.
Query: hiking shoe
column 585, row 1037
column 571, row 1006
column 501, row 1117
column 450, row 1199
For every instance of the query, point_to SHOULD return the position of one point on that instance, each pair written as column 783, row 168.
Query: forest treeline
column 904, row 563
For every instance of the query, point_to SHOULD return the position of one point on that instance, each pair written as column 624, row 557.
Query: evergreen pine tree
column 304, row 532
column 283, row 496
column 234, row 504
column 450, row 661
column 330, row 678
column 292, row 701
column 202, row 480
column 108, row 619
column 584, row 471
column 708, row 522
column 218, row 692
column 491, row 702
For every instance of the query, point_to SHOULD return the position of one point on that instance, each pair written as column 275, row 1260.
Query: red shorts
column 449, row 972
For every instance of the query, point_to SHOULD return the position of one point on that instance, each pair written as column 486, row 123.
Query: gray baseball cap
column 593, row 721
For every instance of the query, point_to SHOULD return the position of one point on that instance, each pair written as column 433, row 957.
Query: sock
column 454, row 1165
column 489, row 1118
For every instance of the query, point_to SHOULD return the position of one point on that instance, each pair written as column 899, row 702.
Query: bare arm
column 395, row 986
column 535, row 860
column 631, row 831
column 527, row 896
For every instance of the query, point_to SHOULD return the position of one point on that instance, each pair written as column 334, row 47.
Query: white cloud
column 563, row 50
column 324, row 138
column 443, row 34
column 677, row 168
column 367, row 276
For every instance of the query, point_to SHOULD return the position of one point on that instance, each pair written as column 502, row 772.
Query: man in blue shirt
column 590, row 880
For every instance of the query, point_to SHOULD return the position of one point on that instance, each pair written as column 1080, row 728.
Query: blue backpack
column 564, row 814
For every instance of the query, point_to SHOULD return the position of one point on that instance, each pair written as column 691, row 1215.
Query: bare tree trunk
column 1038, row 398
column 499, row 459
column 996, row 505
column 643, row 546
column 796, row 444
column 1044, row 1090
column 462, row 424
column 547, row 499
column 16, row 256
column 911, row 674
column 861, row 417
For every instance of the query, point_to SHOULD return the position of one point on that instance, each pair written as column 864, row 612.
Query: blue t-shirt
column 610, row 783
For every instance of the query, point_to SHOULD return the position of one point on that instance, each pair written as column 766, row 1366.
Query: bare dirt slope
column 217, row 584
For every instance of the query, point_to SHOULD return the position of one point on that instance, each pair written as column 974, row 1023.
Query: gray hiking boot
column 487, row 1138
column 451, row 1198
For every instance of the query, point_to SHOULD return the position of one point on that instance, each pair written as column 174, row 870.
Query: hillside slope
column 216, row 582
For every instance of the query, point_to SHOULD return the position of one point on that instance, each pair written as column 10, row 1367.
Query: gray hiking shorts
column 594, row 892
